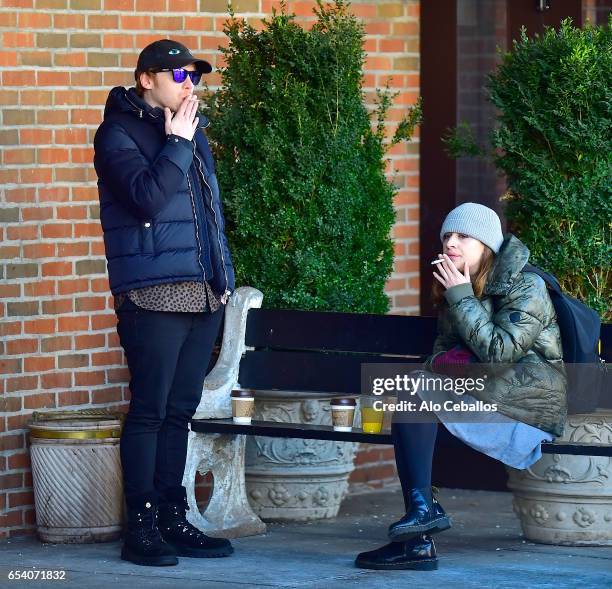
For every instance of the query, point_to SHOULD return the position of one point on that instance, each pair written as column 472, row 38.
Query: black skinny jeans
column 168, row 354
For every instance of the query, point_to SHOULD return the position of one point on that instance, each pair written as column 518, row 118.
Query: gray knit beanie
column 477, row 221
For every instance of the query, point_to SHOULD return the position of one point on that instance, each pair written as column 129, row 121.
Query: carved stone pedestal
column 228, row 513
column 294, row 479
column 565, row 499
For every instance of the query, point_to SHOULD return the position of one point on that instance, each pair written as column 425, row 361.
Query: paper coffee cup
column 343, row 414
column 243, row 407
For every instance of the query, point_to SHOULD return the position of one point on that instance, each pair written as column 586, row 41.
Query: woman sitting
column 490, row 312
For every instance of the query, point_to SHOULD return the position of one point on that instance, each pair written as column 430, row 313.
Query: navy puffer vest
column 159, row 201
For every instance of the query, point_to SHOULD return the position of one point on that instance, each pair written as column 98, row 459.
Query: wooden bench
column 304, row 351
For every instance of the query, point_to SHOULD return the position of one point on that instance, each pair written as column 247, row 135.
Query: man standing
column 171, row 273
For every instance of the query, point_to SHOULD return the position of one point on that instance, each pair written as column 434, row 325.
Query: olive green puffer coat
column 514, row 322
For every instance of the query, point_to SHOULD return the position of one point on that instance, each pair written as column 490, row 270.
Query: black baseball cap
column 168, row 54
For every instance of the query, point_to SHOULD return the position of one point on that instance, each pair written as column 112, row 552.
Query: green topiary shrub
column 309, row 209
column 553, row 142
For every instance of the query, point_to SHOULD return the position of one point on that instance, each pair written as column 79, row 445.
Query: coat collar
column 510, row 260
column 122, row 99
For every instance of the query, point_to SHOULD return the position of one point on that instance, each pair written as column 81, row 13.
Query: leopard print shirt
column 185, row 297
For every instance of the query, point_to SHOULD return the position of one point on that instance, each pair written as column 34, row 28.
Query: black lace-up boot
column 184, row 537
column 143, row 544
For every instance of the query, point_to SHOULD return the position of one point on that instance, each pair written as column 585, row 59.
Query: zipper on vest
column 195, row 216
column 226, row 293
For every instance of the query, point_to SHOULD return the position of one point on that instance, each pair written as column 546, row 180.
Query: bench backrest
column 323, row 351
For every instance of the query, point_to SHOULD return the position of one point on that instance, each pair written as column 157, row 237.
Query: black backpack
column 580, row 328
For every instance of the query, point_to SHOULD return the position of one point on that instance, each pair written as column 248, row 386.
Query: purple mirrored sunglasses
column 179, row 75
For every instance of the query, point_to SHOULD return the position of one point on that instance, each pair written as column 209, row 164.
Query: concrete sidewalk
column 483, row 549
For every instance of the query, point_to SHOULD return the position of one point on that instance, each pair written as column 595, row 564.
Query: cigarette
column 437, row 262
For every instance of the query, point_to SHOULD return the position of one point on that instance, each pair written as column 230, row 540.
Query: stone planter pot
column 565, row 499
column 293, row 479
column 76, row 471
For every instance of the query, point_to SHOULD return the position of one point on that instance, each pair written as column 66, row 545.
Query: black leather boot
column 419, row 554
column 184, row 537
column 425, row 515
column 143, row 544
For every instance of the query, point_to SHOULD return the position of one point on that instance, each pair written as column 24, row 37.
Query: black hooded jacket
column 160, row 207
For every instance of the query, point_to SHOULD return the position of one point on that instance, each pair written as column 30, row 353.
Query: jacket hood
column 122, row 100
column 509, row 262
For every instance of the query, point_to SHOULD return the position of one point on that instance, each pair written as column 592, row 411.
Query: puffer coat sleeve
column 510, row 332
column 143, row 187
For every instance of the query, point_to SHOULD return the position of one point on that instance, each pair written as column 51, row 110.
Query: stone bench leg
column 228, row 514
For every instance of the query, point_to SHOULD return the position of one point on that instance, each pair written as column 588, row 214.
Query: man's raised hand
column 184, row 122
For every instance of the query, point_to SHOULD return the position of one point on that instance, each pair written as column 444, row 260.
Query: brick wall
column 58, row 60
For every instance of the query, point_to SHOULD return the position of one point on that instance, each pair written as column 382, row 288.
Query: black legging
column 414, row 447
